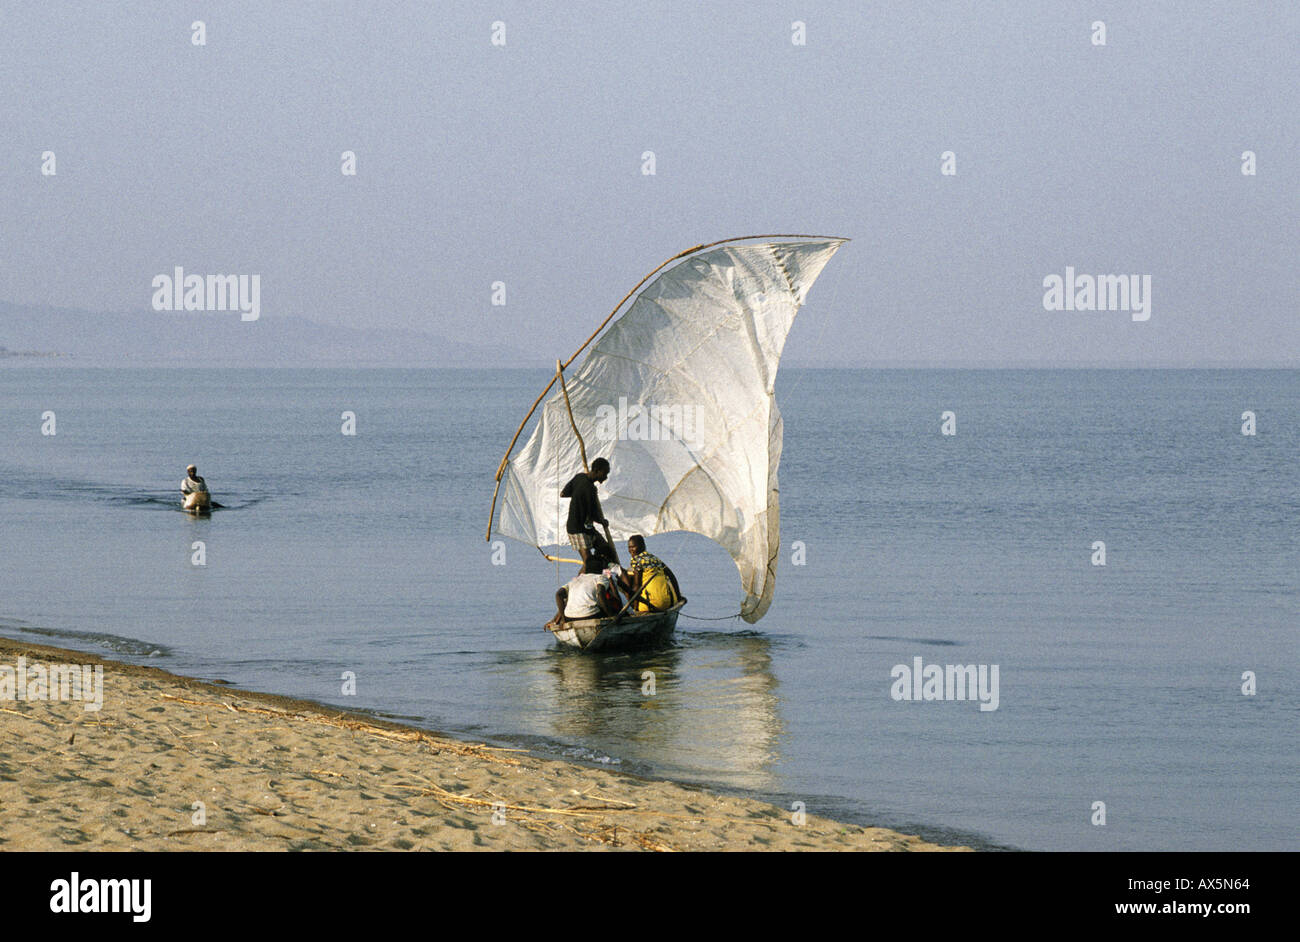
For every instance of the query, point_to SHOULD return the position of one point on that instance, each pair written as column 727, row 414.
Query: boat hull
column 613, row 634
column 198, row 502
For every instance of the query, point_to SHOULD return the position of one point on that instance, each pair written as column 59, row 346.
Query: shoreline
column 174, row 763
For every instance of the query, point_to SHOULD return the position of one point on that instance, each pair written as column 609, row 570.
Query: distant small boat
column 643, row 630
column 198, row 502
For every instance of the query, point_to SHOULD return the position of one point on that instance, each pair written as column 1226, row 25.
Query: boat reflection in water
column 704, row 709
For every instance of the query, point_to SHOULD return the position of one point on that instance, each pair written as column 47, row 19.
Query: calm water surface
column 1119, row 684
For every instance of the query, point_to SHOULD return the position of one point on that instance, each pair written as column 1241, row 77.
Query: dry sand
column 279, row 774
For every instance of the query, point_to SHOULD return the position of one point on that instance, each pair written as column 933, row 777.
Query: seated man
column 590, row 594
column 648, row 579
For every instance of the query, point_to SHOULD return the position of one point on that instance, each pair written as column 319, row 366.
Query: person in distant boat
column 194, row 490
column 648, row 579
column 585, row 512
column 590, row 594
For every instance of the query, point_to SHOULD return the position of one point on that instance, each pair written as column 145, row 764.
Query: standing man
column 584, row 510
column 194, row 490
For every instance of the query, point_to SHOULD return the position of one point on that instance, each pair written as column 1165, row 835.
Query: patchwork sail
column 678, row 395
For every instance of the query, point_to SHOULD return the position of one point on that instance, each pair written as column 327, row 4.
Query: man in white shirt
column 590, row 594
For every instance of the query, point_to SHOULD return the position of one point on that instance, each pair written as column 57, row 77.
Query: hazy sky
column 523, row 163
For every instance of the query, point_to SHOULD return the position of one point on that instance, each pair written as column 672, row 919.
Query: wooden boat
column 618, row 633
column 198, row 502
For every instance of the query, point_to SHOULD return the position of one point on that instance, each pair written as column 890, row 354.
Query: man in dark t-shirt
column 584, row 508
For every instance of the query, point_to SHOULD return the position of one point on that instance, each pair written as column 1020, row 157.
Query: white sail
column 678, row 395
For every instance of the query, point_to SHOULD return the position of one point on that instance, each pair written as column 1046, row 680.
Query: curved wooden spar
column 501, row 468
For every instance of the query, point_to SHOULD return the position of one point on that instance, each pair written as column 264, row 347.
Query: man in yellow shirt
column 648, row 579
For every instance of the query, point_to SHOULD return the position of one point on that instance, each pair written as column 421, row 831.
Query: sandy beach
column 170, row 763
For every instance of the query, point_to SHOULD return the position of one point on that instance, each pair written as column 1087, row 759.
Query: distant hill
column 39, row 335
column 87, row 338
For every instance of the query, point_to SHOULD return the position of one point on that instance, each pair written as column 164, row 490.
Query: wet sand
column 170, row 763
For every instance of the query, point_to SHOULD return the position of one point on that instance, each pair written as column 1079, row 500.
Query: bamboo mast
column 582, row 446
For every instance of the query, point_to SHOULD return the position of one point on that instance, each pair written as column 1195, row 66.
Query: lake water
column 1119, row 684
